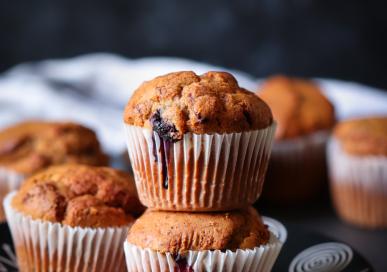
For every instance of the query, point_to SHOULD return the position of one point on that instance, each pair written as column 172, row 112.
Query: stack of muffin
column 199, row 148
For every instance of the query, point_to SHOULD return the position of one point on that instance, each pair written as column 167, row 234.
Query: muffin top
column 298, row 106
column 178, row 232
column 31, row 146
column 183, row 102
column 366, row 136
column 79, row 195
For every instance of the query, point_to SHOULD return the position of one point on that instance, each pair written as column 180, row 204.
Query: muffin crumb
column 182, row 102
column 30, row 146
column 178, row 232
column 79, row 195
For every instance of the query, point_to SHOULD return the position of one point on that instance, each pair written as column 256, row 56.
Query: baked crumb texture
column 366, row 136
column 178, row 232
column 78, row 195
column 182, row 102
column 298, row 106
column 32, row 146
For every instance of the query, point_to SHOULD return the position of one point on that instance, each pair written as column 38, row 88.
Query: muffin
column 304, row 116
column 29, row 147
column 357, row 154
column 72, row 218
column 213, row 241
column 198, row 143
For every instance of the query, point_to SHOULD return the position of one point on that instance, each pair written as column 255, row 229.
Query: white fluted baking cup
column 301, row 160
column 369, row 172
column 205, row 172
column 258, row 259
column 358, row 186
column 9, row 181
column 46, row 246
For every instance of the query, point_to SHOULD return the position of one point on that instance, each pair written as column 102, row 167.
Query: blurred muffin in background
column 201, row 132
column 29, row 147
column 357, row 154
column 212, row 241
column 304, row 116
column 72, row 218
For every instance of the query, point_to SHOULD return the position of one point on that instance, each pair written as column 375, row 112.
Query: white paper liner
column 46, row 246
column 9, row 181
column 205, row 172
column 258, row 259
column 369, row 172
column 300, row 163
column 359, row 186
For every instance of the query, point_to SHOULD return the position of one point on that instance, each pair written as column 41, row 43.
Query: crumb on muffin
column 363, row 136
column 178, row 232
column 182, row 102
column 31, row 146
column 298, row 106
column 79, row 195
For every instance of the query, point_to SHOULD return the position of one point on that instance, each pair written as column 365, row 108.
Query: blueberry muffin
column 358, row 171
column 69, row 213
column 198, row 143
column 304, row 119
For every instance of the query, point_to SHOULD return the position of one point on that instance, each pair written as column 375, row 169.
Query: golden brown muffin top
column 366, row 136
column 298, row 106
column 183, row 102
column 30, row 146
column 178, row 232
column 79, row 195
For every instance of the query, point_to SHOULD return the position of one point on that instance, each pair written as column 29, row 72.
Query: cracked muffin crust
column 298, row 106
column 365, row 136
column 79, row 195
column 182, row 102
column 178, row 232
column 31, row 146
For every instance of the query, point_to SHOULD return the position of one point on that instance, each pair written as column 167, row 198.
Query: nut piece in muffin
column 364, row 136
column 31, row 146
column 79, row 196
column 298, row 106
column 179, row 232
column 357, row 156
column 182, row 102
column 202, row 132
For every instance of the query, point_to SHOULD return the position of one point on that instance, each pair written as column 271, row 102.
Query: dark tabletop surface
column 320, row 217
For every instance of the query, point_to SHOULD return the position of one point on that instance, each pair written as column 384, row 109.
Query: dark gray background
column 339, row 39
column 312, row 38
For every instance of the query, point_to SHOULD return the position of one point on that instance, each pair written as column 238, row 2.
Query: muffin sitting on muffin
column 198, row 143
column 72, row 218
column 29, row 147
column 357, row 155
column 304, row 116
column 199, row 148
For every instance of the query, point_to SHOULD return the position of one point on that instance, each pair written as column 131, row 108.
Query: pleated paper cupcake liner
column 358, row 186
column 9, row 181
column 297, row 169
column 46, row 246
column 203, row 172
column 261, row 258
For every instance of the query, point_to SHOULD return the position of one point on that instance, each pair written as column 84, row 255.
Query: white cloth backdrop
column 93, row 90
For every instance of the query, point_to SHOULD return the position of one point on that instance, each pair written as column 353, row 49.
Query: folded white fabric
column 93, row 90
